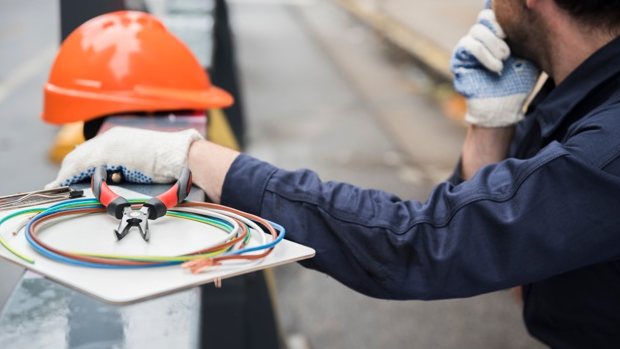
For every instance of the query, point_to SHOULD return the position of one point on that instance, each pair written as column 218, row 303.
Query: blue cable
column 93, row 203
column 281, row 233
column 67, row 260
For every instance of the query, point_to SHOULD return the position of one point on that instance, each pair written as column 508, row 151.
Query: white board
column 169, row 236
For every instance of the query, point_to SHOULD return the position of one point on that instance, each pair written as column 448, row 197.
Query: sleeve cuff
column 245, row 182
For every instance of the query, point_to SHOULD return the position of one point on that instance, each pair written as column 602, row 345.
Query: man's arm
column 495, row 85
column 497, row 230
column 209, row 164
column 484, row 146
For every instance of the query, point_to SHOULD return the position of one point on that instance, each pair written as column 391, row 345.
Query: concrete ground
column 323, row 92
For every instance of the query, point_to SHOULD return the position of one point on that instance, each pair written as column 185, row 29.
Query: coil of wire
column 233, row 246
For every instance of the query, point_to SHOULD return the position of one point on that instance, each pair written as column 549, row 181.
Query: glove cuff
column 495, row 112
column 172, row 155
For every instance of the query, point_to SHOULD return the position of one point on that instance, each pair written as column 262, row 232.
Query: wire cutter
column 117, row 206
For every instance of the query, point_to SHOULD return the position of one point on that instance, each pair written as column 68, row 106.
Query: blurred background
column 356, row 90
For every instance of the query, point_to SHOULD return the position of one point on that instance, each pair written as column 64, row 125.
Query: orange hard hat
column 124, row 62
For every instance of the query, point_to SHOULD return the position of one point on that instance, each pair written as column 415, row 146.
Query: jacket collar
column 553, row 104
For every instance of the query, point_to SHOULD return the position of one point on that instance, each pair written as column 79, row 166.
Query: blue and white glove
column 143, row 156
column 494, row 83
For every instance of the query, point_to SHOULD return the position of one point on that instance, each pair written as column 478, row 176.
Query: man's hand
column 143, row 156
column 495, row 84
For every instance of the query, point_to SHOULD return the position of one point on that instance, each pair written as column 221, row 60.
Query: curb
column 417, row 45
column 433, row 58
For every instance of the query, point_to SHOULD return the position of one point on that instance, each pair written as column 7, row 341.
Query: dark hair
column 595, row 14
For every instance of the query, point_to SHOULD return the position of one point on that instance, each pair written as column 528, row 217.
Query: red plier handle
column 114, row 203
column 157, row 206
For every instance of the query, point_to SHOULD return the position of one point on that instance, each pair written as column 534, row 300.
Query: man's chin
column 522, row 52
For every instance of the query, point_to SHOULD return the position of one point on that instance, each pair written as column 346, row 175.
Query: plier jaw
column 117, row 206
column 134, row 218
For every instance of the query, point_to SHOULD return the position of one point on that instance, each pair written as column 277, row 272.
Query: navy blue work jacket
column 548, row 217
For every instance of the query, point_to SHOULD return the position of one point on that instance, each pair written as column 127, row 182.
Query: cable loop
column 238, row 225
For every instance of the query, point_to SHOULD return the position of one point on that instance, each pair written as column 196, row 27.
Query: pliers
column 117, row 206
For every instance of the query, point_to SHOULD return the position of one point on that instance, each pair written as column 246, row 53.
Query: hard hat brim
column 213, row 97
column 66, row 105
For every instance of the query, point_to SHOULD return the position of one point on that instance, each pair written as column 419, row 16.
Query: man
column 534, row 204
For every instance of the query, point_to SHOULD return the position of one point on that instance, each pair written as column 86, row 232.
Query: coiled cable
column 238, row 225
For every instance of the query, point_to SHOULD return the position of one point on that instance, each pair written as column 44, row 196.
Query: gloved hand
column 143, row 156
column 494, row 83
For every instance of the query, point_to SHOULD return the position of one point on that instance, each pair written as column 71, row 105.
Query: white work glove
column 143, row 156
column 494, row 83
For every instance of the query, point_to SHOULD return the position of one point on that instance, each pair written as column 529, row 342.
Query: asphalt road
column 321, row 92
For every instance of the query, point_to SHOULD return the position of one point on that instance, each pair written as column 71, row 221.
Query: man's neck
column 569, row 46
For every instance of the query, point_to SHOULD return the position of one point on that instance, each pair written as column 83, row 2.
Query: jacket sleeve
column 515, row 222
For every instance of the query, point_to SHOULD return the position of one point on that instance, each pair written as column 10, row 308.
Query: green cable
column 3, row 241
column 189, row 216
column 183, row 215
